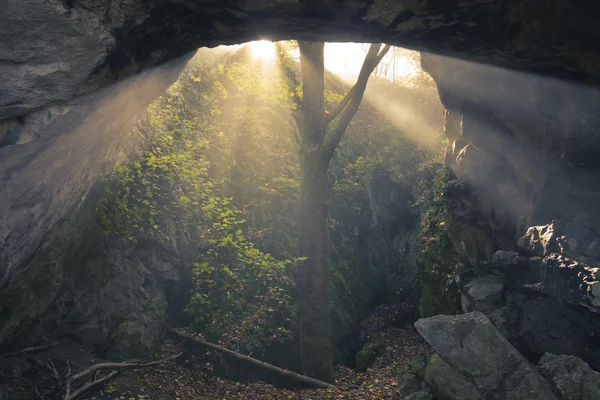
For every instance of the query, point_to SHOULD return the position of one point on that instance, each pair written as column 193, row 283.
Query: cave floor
column 173, row 380
column 187, row 379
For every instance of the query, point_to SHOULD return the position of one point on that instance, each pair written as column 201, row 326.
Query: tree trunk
column 315, row 154
column 313, row 279
column 313, row 282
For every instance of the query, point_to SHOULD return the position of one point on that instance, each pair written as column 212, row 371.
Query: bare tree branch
column 94, row 369
column 373, row 58
column 88, row 386
column 29, row 350
column 340, row 107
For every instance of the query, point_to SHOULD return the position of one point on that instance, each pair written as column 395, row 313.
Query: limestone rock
column 542, row 240
column 423, row 394
column 572, row 377
column 418, row 364
column 367, row 356
column 408, row 384
column 55, row 144
column 594, row 293
column 472, row 346
column 49, row 180
column 448, row 384
column 550, row 305
column 485, row 293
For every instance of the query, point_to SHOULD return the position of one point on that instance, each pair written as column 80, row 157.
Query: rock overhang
column 54, row 51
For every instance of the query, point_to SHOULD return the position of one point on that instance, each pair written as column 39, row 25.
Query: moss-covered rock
column 474, row 348
column 440, row 269
column 418, row 364
column 447, row 384
column 367, row 356
column 423, row 394
column 408, row 384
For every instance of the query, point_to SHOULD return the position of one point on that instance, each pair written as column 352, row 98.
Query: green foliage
column 332, row 97
column 430, row 200
column 184, row 185
column 220, row 181
column 437, row 258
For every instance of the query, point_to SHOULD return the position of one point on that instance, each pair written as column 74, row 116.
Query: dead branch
column 68, row 385
column 94, row 369
column 29, row 350
column 87, row 386
column 280, row 371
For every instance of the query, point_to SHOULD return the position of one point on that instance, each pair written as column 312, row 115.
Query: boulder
column 484, row 293
column 367, row 356
column 418, row 364
column 423, row 394
column 506, row 320
column 408, row 384
column 594, row 293
column 543, row 240
column 448, row 384
column 472, row 346
column 572, row 377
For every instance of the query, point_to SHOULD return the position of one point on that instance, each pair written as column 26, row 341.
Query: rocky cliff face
column 43, row 192
column 524, row 152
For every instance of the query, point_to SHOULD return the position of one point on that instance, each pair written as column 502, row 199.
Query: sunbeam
column 263, row 50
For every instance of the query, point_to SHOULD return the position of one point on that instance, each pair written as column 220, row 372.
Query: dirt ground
column 184, row 379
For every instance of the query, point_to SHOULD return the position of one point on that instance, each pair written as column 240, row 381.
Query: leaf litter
column 175, row 380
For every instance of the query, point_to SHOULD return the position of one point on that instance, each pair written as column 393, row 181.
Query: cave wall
column 527, row 145
column 44, row 187
column 522, row 205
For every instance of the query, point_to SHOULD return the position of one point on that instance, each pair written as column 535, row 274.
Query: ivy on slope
column 181, row 186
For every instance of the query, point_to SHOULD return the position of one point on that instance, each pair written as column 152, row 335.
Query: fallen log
column 230, row 353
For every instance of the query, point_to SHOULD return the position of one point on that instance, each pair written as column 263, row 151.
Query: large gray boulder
column 473, row 347
column 572, row 377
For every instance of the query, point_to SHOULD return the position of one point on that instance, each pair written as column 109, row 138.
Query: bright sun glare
column 263, row 49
